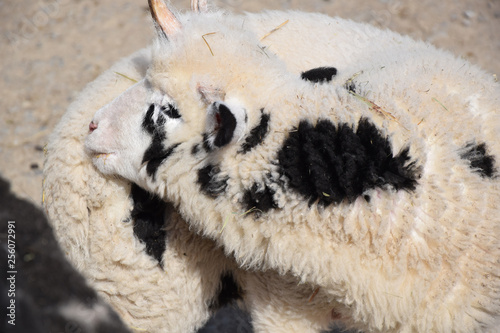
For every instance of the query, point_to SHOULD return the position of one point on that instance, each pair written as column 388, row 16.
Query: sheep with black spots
column 136, row 251
column 380, row 187
column 139, row 254
column 92, row 219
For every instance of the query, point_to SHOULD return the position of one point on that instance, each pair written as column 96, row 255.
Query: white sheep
column 91, row 216
column 380, row 186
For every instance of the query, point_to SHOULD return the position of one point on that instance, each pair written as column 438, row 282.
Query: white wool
column 422, row 260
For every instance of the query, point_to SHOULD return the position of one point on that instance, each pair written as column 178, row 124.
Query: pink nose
column 92, row 126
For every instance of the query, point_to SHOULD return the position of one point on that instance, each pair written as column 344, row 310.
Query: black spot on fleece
column 331, row 162
column 257, row 134
column 320, row 74
column 259, row 199
column 211, row 182
column 149, row 221
column 480, row 161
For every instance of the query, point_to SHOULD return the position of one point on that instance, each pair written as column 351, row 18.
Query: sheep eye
column 170, row 111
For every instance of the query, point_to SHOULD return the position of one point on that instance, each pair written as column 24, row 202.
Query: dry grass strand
column 274, row 30
column 127, row 77
column 208, row 45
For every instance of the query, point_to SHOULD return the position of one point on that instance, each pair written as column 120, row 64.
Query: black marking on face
column 210, row 181
column 156, row 153
column 259, row 199
column 480, row 161
column 257, row 134
column 156, row 158
column 226, row 126
column 229, row 291
column 170, row 111
column 330, row 163
column 148, row 123
column 320, row 74
column 149, row 221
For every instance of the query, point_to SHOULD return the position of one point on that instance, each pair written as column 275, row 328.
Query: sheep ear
column 226, row 123
column 165, row 20
column 209, row 94
column 199, row 6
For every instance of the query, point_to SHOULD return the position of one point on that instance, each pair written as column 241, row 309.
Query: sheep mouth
column 95, row 152
column 98, row 154
column 101, row 155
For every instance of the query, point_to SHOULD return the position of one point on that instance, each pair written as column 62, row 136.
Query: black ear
column 225, row 124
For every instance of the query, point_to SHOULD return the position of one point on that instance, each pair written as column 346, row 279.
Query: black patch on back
column 229, row 291
column 211, row 183
column 226, row 128
column 259, row 199
column 257, row 134
column 149, row 221
column 480, row 161
column 156, row 153
column 330, row 163
column 320, row 74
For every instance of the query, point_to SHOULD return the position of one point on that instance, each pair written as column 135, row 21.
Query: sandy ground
column 51, row 48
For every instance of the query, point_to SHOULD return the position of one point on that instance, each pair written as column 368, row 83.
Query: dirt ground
column 51, row 48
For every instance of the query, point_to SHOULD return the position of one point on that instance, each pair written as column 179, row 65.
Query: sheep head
column 201, row 87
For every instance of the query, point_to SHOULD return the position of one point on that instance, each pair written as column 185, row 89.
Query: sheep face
column 133, row 135
column 122, row 131
column 188, row 97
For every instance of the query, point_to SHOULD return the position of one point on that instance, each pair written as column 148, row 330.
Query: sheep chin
column 104, row 162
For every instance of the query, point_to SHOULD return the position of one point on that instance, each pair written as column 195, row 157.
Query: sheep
column 96, row 218
column 177, row 296
column 91, row 217
column 380, row 188
column 174, row 288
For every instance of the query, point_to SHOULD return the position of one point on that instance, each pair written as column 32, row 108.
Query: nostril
column 92, row 126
